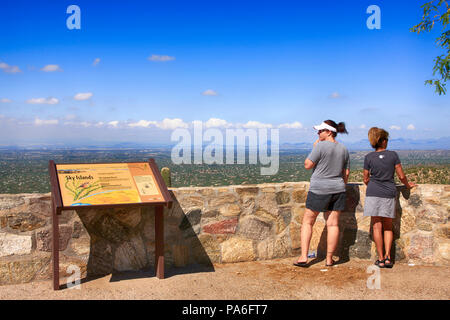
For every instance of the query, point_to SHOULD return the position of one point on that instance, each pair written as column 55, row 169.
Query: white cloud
column 5, row 100
column 51, row 68
column 85, row 124
column 335, row 95
column 166, row 124
column 293, row 125
column 43, row 101
column 96, row 62
column 83, row 96
column 70, row 117
column 90, row 124
column 363, row 126
column 171, row 124
column 40, row 122
column 214, row 122
column 411, row 127
column 9, row 69
column 155, row 57
column 209, row 92
column 256, row 125
column 113, row 123
column 79, row 124
column 142, row 123
column 394, row 127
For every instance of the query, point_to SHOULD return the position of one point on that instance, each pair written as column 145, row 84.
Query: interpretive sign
column 108, row 185
column 112, row 183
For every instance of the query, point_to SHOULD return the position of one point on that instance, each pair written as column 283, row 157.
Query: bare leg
column 305, row 238
column 377, row 227
column 332, row 218
column 388, row 236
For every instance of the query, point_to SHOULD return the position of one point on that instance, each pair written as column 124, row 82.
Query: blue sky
column 135, row 70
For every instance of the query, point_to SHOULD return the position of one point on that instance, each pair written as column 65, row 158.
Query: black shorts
column 326, row 202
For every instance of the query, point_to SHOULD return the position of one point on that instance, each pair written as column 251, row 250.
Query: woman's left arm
column 345, row 175
column 401, row 175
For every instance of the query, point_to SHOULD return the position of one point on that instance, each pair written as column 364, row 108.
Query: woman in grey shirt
column 330, row 163
column 379, row 168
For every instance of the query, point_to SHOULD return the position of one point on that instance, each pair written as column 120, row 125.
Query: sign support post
column 55, row 247
column 159, row 242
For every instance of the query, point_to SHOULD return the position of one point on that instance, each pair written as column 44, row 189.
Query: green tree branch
column 441, row 11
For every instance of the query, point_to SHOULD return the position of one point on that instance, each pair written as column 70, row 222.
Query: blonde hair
column 377, row 136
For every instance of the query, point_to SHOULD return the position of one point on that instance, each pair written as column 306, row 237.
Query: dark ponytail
column 340, row 127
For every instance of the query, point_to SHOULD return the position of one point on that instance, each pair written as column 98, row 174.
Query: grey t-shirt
column 381, row 166
column 330, row 159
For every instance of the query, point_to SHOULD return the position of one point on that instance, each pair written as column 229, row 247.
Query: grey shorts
column 325, row 202
column 379, row 207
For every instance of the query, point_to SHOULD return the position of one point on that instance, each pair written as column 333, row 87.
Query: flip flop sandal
column 301, row 264
column 377, row 263
column 330, row 265
column 388, row 265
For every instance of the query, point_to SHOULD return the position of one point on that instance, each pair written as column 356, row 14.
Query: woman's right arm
column 313, row 157
column 401, row 175
column 366, row 176
column 366, row 172
column 309, row 164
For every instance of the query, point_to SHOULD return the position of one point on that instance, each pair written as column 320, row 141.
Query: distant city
column 394, row 144
column 25, row 170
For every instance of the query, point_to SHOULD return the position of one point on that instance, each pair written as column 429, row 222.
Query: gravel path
column 272, row 280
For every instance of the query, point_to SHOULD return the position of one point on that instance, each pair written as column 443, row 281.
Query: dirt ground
column 270, row 280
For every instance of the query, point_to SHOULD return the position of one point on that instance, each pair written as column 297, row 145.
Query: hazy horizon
column 137, row 71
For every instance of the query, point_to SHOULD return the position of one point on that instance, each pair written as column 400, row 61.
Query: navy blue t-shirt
column 381, row 166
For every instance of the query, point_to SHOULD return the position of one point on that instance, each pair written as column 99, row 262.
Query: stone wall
column 211, row 225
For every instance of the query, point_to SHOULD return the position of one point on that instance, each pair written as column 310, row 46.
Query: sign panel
column 107, row 183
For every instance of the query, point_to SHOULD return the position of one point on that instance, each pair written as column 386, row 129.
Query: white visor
column 323, row 125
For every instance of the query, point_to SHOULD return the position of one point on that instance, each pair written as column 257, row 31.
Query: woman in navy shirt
column 379, row 168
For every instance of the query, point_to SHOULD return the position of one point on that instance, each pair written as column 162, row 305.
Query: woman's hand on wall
column 411, row 185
